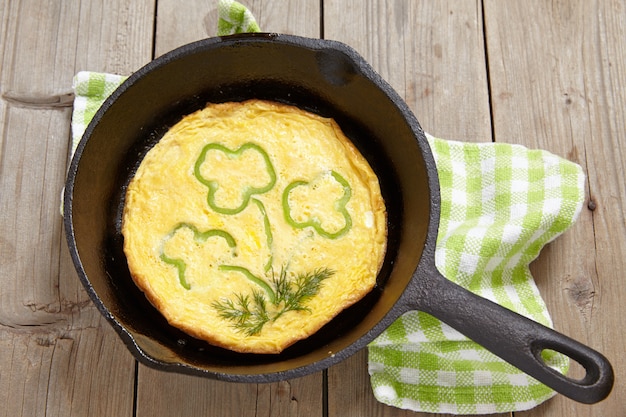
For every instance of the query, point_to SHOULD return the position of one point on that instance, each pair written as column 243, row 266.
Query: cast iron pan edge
column 510, row 336
column 137, row 342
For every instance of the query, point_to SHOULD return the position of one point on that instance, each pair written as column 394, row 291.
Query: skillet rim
column 426, row 260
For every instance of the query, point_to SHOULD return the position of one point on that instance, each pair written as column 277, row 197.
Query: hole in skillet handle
column 598, row 378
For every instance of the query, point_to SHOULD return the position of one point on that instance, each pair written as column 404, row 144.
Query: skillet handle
column 514, row 338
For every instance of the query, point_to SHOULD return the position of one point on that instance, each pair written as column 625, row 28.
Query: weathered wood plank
column 58, row 356
column 163, row 394
column 557, row 80
column 556, row 71
column 198, row 19
column 432, row 53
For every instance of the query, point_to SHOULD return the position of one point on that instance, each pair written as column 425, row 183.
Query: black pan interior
column 324, row 77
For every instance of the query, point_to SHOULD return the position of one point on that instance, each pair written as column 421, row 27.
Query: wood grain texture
column 557, row 80
column 178, row 25
column 57, row 355
column 162, row 394
column 545, row 74
column 432, row 53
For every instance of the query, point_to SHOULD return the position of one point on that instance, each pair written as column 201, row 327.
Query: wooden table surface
column 545, row 74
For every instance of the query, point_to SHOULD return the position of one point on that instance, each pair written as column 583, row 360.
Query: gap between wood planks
column 325, row 371
column 486, row 52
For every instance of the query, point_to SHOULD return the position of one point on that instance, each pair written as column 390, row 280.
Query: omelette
column 250, row 225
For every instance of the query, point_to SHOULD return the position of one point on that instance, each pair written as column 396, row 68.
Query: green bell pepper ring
column 248, row 191
column 340, row 206
column 181, row 265
column 269, row 237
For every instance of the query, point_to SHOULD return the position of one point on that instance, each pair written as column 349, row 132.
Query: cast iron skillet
column 330, row 79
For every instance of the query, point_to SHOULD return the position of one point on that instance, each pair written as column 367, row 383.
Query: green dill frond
column 308, row 285
column 249, row 315
column 281, row 284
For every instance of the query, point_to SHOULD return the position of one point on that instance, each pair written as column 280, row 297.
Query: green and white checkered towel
column 500, row 204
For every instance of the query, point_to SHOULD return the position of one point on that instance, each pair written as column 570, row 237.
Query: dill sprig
column 249, row 314
column 293, row 294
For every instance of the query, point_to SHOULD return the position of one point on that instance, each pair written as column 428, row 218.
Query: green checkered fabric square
column 235, row 18
column 500, row 204
column 90, row 91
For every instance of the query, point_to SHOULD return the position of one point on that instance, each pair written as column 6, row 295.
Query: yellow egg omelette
column 250, row 225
